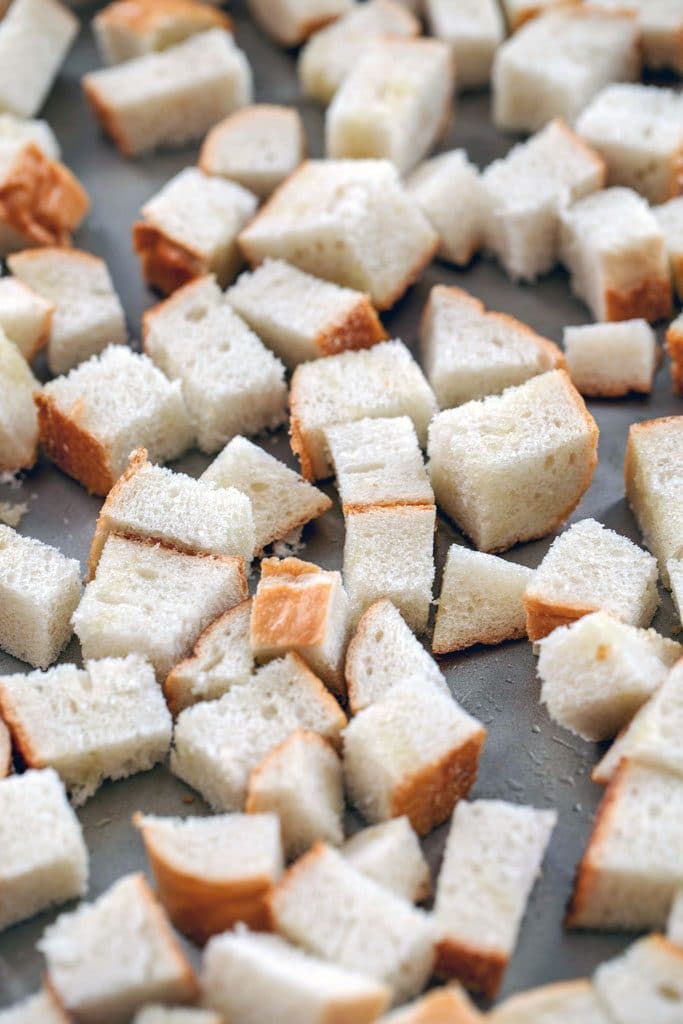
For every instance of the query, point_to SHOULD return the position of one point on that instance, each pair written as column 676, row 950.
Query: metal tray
column 527, row 758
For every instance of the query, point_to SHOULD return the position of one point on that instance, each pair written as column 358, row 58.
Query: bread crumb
column 188, row 799
column 602, row 652
column 11, row 513
column 8, row 479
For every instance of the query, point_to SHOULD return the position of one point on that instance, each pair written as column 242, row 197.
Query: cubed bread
column 170, row 98
column 258, row 978
column 35, row 36
column 448, row 190
column 88, row 314
column 18, row 416
column 232, row 384
column 451, row 1005
column 43, row 856
column 218, row 743
column 474, row 29
column 190, row 228
column 493, row 856
column 25, row 316
column 290, row 22
column 518, row 11
column 39, row 589
column 661, row 29
column 106, row 721
column 42, row 1008
column 126, row 30
column 674, row 928
column 20, row 130
column 513, row 466
column 644, row 983
column 674, row 346
column 322, row 899
column 332, row 217
column 91, row 419
column 391, row 855
column 107, row 959
column 563, row 1002
column 670, row 218
column 611, row 360
column 6, row 763
column 211, row 873
column 156, row 1014
column 300, row 781
column 154, row 600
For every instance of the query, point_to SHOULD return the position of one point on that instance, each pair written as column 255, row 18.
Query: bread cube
column 493, row 856
column 611, row 360
column 123, row 32
column 331, row 218
column 553, row 65
column 18, row 417
column 670, row 219
column 41, row 1008
column 25, row 316
column 391, row 855
column 393, row 104
column 20, row 130
column 91, row 419
column 563, row 1002
column 661, row 29
column 35, row 36
column 52, row 867
column 644, row 983
column 290, row 22
column 211, row 873
column 514, row 466
column 474, row 29
column 518, row 11
column 39, row 589
column 674, row 928
column 175, row 1015
column 674, row 346
column 109, row 958
column 448, row 1004
column 448, row 190
column 5, row 751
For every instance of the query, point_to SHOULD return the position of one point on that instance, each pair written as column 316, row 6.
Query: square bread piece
column 391, row 855
column 107, row 721
column 25, row 316
column 124, row 31
column 614, row 250
column 493, row 857
column 645, row 983
column 39, row 589
column 382, row 382
column 53, row 867
column 170, row 98
column 554, row 64
column 394, row 103
column 481, row 601
column 290, row 22
column 450, row 1004
column 18, row 416
column 674, row 346
column 35, row 36
column 661, row 29
column 611, row 360
column 598, row 671
column 107, row 959
column 323, row 899
column 258, row 978
column 218, row 743
column 175, row 1015
column 674, row 928
column 42, row 1008
column 670, row 219
column 190, row 228
column 448, row 190
column 213, row 872
column 301, row 317
column 474, row 29
column 91, row 419
column 512, row 467
column 563, row 1002
column 88, row 314
column 332, row 218
column 525, row 192
column 468, row 353
column 258, row 147
column 155, row 601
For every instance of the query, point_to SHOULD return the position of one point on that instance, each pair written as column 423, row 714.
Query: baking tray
column 527, row 758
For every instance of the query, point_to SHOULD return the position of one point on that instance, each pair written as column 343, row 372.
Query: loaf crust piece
column 674, row 346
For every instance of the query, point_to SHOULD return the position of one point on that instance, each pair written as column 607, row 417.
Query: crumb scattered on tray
column 11, row 513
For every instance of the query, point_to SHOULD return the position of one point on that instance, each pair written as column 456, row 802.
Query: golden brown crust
column 136, row 461
column 73, row 448
column 650, row 299
column 166, row 264
column 20, row 733
column 359, row 327
column 674, row 346
column 5, row 746
column 297, row 440
column 285, row 615
column 41, row 199
column 676, row 260
column 542, row 616
column 479, row 971
column 142, row 15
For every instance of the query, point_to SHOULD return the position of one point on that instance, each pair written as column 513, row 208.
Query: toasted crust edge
column 359, row 327
column 75, row 450
column 479, row 970
column 674, row 346
column 166, row 264
column 543, row 616
column 651, row 299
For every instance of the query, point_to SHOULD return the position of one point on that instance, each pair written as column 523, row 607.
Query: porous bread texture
column 661, row 29
column 598, row 671
column 53, row 867
column 123, row 30
column 670, row 219
column 481, row 601
column 88, row 315
column 391, row 855
column 20, row 130
column 474, row 30
column 5, row 751
column 644, row 983
column 216, row 744
column 41, row 1008
column 674, row 568
column 35, row 36
column 518, row 11
column 451, row 1004
column 674, row 346
column 18, row 417
column 290, row 22
column 175, row 1015
column 155, row 601
column 107, row 959
column 25, row 316
column 513, row 466
column 674, row 927
column 170, row 98
column 348, row 221
column 91, row 419
column 211, row 873
column 610, row 360
column 586, row 569
column 106, row 721
column 563, row 1002
column 39, row 589
column 231, row 383
column 448, row 190
column 322, row 898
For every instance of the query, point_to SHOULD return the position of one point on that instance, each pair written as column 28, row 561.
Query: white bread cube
column 213, row 872
column 218, row 743
column 41, row 1008
column 525, row 192
column 323, row 900
column 91, row 419
column 155, row 601
column 39, row 590
column 474, row 29
column 554, row 64
column 670, row 219
column 674, row 928
column 175, row 1015
column 661, row 29
column 301, row 781
column 674, row 346
column 290, row 22
column 598, row 671
column 52, row 867
column 563, row 1002
column 414, row 753
column 257, row 978
column 18, row 416
column 448, row 190
column 481, row 601
column 643, row 984
column 611, row 360
column 6, row 764
column 190, row 228
column 331, row 218
column 301, row 317
column 170, row 98
column 450, row 1004
column 393, row 104
column 586, row 569
column 281, row 501
column 382, row 382
column 20, row 130
column 493, row 857
column 25, row 316
column 35, row 36
column 518, row 11
column 513, row 466
column 107, row 959
column 124, row 31
column 391, row 855
column 88, row 314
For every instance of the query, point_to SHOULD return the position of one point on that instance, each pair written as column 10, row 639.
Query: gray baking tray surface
column 527, row 758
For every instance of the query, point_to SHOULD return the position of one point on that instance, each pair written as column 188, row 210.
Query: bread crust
column 41, row 199
column 650, row 299
column 479, row 970
column 488, row 640
column 359, row 327
column 5, row 747
column 20, row 734
column 207, row 162
column 166, row 264
column 107, row 115
column 306, row 26
column 674, row 346
column 139, row 16
column 543, row 616
column 442, row 1006
column 73, row 448
column 297, row 441
column 284, row 615
column 136, row 461
column 677, row 272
